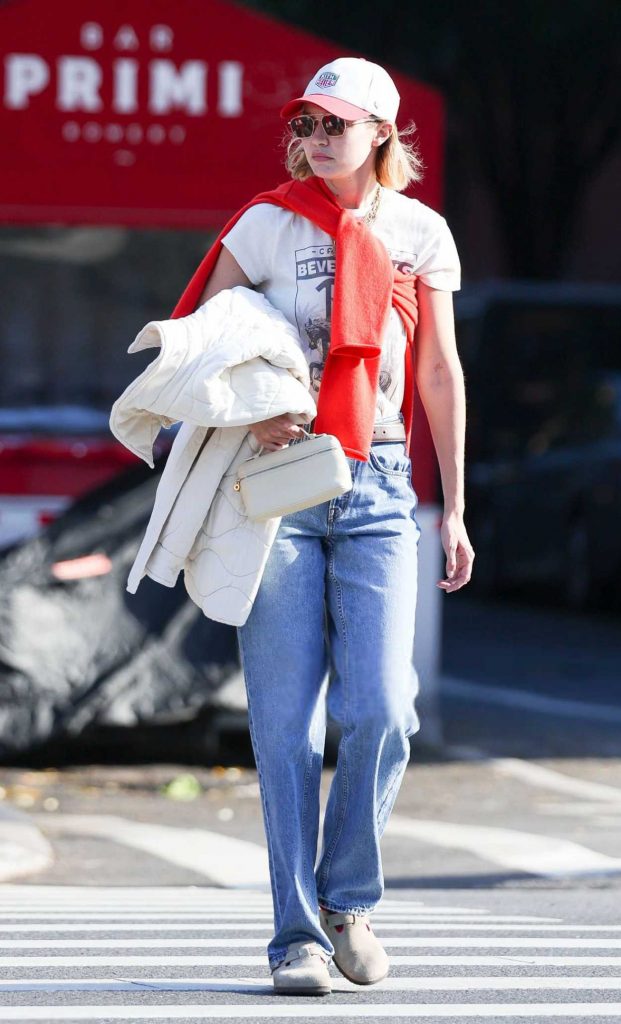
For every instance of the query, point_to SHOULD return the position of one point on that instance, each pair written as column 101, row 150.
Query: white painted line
column 519, row 851
column 84, row 913
column 132, row 894
column 133, row 898
column 221, row 858
column 255, row 985
column 379, row 926
column 250, row 915
column 166, row 892
column 255, row 1011
column 608, row 713
column 548, row 778
column 578, row 809
column 395, row 941
column 84, row 901
column 82, row 922
column 189, row 897
column 169, row 960
column 23, row 849
column 242, row 914
column 178, row 901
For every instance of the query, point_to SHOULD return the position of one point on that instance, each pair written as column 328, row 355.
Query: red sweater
column 365, row 286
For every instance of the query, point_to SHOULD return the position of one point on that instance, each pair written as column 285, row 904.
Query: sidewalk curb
column 24, row 850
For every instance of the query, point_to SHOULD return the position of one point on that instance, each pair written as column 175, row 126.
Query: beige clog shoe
column 358, row 953
column 304, row 971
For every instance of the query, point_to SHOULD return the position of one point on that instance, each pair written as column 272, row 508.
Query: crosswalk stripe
column 429, row 915
column 393, row 941
column 142, row 895
column 244, row 1011
column 549, row 778
column 426, row 915
column 165, row 891
column 212, row 907
column 198, row 899
column 242, row 960
column 379, row 925
column 250, row 985
column 203, row 899
column 530, row 852
column 221, row 858
column 80, row 933
column 234, row 862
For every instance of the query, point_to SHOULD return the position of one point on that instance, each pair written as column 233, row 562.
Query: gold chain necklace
column 372, row 212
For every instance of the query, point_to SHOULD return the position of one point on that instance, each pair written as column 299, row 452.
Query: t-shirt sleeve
column 440, row 266
column 251, row 241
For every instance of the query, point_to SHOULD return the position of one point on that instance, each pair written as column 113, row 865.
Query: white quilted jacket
column 233, row 361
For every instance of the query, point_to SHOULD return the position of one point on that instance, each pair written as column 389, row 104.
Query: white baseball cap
column 350, row 87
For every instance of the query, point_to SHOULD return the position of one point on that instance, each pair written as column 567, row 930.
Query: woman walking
column 338, row 595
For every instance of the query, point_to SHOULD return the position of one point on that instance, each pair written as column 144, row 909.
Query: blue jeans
column 336, row 602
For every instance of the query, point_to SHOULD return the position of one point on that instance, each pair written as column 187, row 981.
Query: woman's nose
column 320, row 134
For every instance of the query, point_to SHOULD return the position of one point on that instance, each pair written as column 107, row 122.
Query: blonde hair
column 398, row 162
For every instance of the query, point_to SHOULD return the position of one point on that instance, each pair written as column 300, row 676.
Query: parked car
column 543, row 482
column 73, row 299
column 49, row 457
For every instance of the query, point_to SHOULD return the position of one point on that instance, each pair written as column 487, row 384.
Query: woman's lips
column 321, row 156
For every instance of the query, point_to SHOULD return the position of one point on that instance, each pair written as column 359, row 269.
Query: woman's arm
column 440, row 382
column 276, row 432
column 227, row 273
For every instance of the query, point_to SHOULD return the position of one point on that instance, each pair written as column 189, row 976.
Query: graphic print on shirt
column 315, row 267
column 314, row 278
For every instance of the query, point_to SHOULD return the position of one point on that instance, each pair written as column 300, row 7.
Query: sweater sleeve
column 251, row 241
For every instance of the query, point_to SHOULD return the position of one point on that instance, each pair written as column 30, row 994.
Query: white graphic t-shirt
column 292, row 262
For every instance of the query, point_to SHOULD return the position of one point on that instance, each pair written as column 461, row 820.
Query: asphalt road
column 502, row 859
column 530, row 680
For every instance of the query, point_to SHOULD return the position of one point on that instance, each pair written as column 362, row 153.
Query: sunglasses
column 303, row 126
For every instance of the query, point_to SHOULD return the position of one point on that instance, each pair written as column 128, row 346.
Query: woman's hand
column 459, row 553
column 276, row 432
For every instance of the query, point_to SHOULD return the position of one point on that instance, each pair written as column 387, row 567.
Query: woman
column 338, row 594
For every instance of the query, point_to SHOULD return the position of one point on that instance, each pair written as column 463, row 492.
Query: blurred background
column 128, row 140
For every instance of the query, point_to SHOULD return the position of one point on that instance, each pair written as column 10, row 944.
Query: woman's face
column 341, row 156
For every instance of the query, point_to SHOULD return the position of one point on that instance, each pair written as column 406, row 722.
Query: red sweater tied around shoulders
column 366, row 285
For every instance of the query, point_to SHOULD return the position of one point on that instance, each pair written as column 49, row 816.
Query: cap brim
column 330, row 103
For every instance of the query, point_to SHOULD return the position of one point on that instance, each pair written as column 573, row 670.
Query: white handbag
column 308, row 471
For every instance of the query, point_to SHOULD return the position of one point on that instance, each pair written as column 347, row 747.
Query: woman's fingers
column 459, row 554
column 462, row 573
column 276, row 432
column 274, row 443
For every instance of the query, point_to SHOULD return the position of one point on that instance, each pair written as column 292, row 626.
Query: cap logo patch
column 327, row 80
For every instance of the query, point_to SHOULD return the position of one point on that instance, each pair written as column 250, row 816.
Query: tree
column 533, row 91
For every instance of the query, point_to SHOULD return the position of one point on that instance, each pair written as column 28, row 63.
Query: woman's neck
column 353, row 191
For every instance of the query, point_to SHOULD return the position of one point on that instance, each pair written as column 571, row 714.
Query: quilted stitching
column 252, row 367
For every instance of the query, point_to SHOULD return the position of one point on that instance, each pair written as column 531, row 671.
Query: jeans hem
column 340, row 909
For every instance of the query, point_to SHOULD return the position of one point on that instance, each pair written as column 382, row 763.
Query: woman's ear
column 384, row 132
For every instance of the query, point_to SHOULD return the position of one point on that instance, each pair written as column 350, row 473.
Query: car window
column 542, row 377
column 73, row 300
